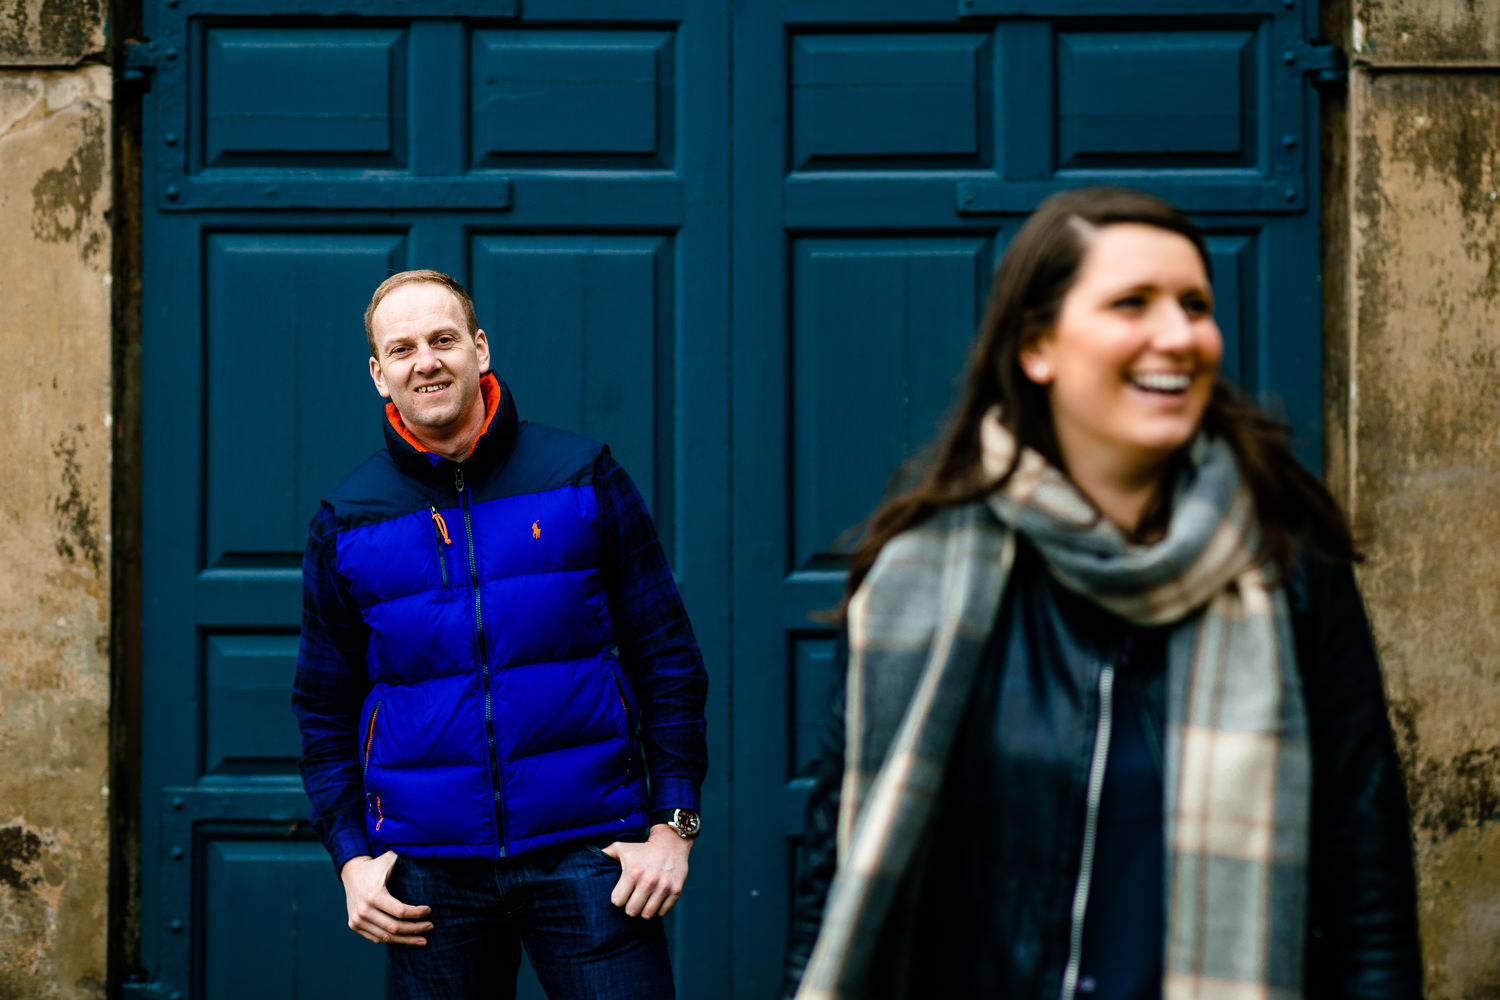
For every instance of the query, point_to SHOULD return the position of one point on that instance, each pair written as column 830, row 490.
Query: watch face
column 687, row 822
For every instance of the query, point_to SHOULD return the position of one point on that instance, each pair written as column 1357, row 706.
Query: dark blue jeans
column 553, row 902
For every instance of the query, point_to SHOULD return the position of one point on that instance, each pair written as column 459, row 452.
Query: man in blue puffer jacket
column 494, row 658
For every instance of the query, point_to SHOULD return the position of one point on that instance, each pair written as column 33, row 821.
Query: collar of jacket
column 495, row 440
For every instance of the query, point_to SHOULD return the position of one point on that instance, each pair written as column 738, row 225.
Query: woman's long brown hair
column 1038, row 269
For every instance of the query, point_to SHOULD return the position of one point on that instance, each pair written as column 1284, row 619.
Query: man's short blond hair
column 409, row 277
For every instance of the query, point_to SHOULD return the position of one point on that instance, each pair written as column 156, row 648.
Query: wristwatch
column 685, row 822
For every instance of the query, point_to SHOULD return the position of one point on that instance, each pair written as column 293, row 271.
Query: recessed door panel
column 246, row 727
column 888, row 319
column 284, row 339
column 576, row 95
column 898, row 101
column 248, row 957
column 290, row 94
column 581, row 325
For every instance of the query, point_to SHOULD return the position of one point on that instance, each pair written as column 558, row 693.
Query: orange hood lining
column 489, row 388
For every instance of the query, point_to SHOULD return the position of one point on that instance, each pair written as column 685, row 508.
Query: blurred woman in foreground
column 1113, row 725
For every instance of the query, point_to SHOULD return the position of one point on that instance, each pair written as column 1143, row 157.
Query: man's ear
column 378, row 377
column 482, row 349
column 1035, row 358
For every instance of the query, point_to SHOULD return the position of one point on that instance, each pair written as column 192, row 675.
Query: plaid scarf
column 1238, row 770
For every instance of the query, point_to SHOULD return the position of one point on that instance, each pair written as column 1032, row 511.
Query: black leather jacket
column 1362, row 895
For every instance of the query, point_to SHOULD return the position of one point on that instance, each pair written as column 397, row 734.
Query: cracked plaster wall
column 55, row 333
column 50, row 32
column 1423, row 440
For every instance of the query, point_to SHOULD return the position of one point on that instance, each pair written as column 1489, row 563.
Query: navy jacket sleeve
column 658, row 651
column 1363, row 904
column 331, row 683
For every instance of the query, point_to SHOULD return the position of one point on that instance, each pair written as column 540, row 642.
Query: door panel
column 894, row 100
column 243, row 881
column 283, row 377
column 885, row 152
column 297, row 155
column 887, row 319
column 583, row 323
column 614, row 89
column 348, row 106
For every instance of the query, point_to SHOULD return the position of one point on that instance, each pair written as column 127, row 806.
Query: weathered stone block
column 51, row 32
column 1425, row 450
column 54, row 532
column 1420, row 31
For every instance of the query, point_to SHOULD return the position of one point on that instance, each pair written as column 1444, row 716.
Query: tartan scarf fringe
column 1238, row 767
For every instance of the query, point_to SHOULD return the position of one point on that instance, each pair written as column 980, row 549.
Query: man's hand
column 651, row 874
column 373, row 912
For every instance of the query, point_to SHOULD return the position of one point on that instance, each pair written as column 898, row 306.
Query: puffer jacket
column 462, row 607
column 992, row 887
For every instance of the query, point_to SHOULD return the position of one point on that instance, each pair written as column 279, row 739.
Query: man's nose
column 426, row 358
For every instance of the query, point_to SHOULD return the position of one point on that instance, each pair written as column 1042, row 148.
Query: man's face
column 427, row 364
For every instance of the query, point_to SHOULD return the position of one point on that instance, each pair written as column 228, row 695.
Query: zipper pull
column 442, row 528
column 458, row 478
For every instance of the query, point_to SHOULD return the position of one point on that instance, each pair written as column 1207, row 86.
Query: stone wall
column 1421, row 438
column 1412, row 278
column 56, row 138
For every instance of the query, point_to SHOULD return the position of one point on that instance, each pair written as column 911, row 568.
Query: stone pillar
column 1422, row 443
column 56, row 126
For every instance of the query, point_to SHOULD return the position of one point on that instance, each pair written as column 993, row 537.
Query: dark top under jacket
column 990, row 910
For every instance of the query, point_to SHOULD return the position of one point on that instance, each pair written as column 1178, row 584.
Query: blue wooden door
column 567, row 160
column 884, row 152
column 744, row 243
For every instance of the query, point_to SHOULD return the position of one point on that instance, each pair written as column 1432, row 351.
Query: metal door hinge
column 1327, row 65
column 139, row 62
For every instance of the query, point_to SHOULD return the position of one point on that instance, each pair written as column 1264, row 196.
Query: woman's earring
column 1040, row 371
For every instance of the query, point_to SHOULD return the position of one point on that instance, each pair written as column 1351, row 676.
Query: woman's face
column 1130, row 365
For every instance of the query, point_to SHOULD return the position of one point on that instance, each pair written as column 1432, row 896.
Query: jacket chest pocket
column 442, row 542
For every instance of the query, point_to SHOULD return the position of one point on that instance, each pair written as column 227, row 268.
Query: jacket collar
column 496, row 436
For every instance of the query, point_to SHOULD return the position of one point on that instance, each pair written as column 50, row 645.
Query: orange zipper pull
column 442, row 528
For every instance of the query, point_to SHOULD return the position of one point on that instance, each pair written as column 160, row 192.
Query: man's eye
column 1197, row 307
column 1129, row 302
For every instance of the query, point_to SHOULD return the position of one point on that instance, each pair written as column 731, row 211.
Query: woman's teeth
column 1162, row 382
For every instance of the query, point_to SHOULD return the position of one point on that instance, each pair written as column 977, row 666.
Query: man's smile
column 439, row 387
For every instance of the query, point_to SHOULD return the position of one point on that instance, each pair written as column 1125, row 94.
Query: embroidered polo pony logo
column 536, row 529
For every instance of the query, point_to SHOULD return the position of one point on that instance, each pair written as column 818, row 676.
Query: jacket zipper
column 1090, row 831
column 440, row 533
column 465, row 504
column 369, row 745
